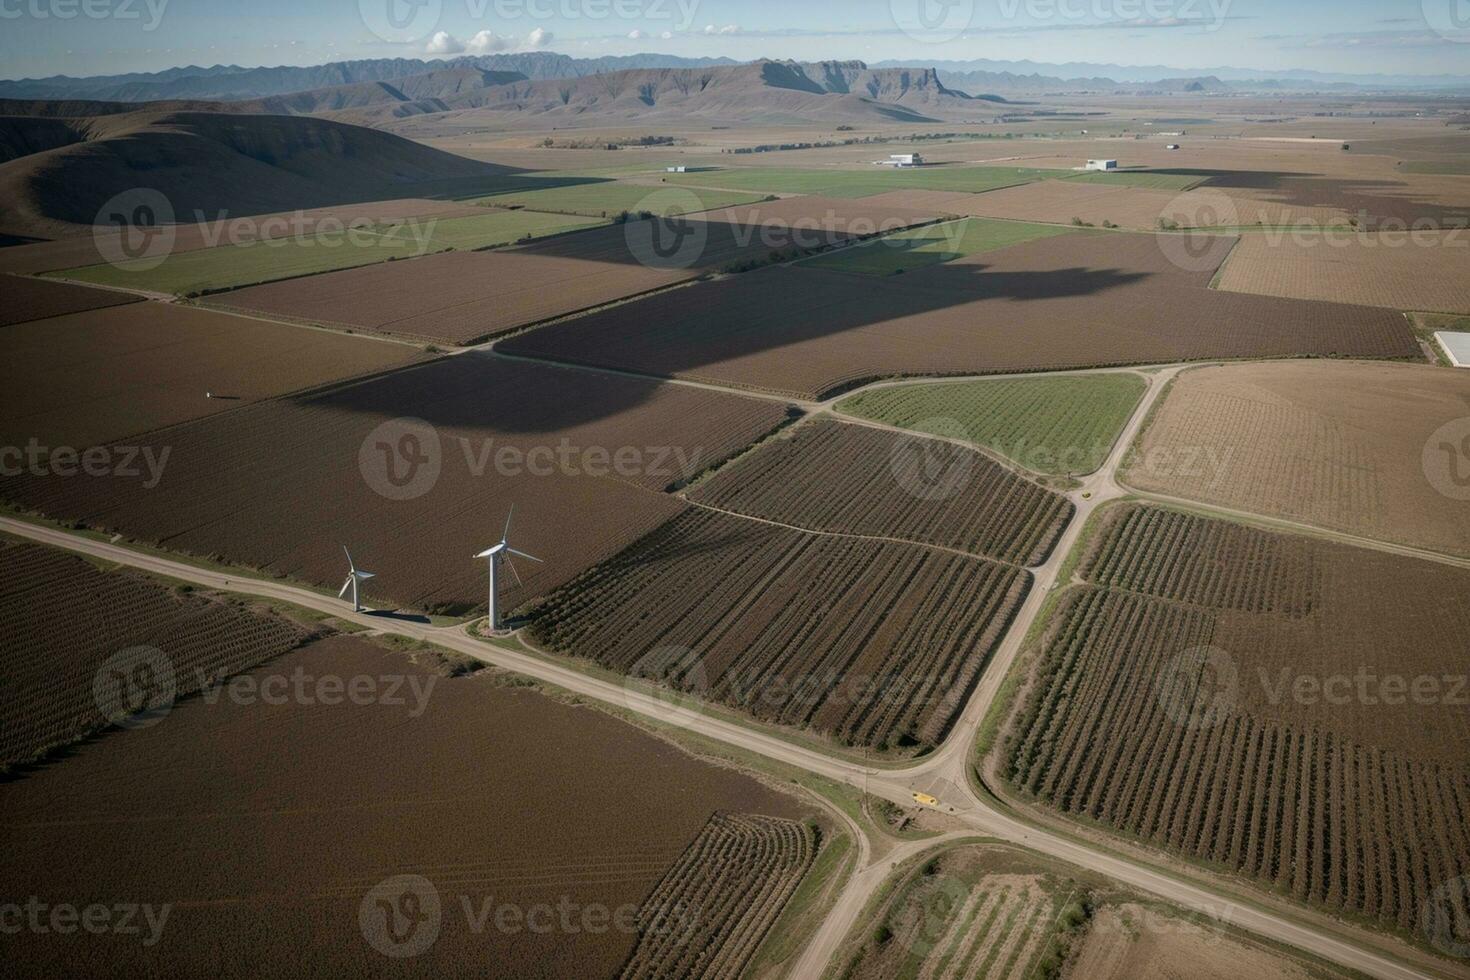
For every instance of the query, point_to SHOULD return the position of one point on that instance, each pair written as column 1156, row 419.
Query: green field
column 1145, row 179
column 862, row 183
column 231, row 266
column 608, row 198
column 933, row 244
column 1057, row 426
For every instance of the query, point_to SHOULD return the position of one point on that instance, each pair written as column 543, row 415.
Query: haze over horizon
column 1359, row 37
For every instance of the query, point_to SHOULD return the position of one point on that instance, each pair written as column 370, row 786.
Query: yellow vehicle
column 924, row 799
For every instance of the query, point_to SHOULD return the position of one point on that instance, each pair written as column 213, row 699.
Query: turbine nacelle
column 354, row 579
column 493, row 556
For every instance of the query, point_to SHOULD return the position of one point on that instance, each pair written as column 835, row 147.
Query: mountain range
column 236, row 83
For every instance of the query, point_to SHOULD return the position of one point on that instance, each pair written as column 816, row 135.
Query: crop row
column 1333, row 821
column 1173, row 555
column 709, row 914
column 854, row 479
column 63, row 619
column 871, row 642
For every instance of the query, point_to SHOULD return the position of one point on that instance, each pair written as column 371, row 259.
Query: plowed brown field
column 24, row 299
column 740, row 872
column 89, row 378
column 464, row 297
column 853, row 479
column 869, row 642
column 1059, row 201
column 282, row 485
column 1346, row 446
column 63, row 619
column 266, row 825
column 1073, row 301
column 1287, row 708
column 1423, row 271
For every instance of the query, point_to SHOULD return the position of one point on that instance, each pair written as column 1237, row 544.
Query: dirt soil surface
column 91, row 378
column 1347, row 446
column 265, row 826
column 1424, row 271
column 417, row 470
column 464, row 297
column 1074, row 301
column 24, row 299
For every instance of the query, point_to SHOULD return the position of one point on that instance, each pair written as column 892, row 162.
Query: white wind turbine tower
column 493, row 555
column 354, row 579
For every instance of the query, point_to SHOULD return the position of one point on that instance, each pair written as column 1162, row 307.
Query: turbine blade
column 364, row 576
column 514, row 571
column 486, row 553
column 526, row 556
column 506, row 536
column 349, row 558
column 345, row 586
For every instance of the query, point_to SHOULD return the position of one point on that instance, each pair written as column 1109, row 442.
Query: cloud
column 443, row 42
column 489, row 41
column 711, row 29
column 636, row 35
column 539, row 38
column 1381, row 40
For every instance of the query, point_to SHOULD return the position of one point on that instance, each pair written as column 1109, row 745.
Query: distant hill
column 58, row 171
column 764, row 92
column 232, row 82
column 1010, row 83
column 1093, row 77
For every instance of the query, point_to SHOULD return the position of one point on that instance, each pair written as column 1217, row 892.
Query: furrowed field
column 267, row 825
column 89, row 378
column 740, row 872
column 1064, row 426
column 851, row 479
column 466, row 297
column 1350, row 447
column 868, row 642
column 51, row 658
column 27, row 299
column 1288, row 709
column 988, row 912
column 860, row 183
column 416, row 470
column 1071, row 301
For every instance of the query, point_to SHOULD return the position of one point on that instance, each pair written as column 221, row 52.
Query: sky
column 92, row 37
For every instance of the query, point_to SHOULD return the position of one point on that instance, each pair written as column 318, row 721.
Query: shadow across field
column 1378, row 200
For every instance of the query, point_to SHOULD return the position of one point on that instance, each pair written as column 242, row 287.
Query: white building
column 1102, row 164
column 678, row 170
column 902, row 160
column 1456, row 347
column 1172, row 146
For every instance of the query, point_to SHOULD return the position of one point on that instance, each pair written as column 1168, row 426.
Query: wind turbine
column 493, row 555
column 354, row 578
